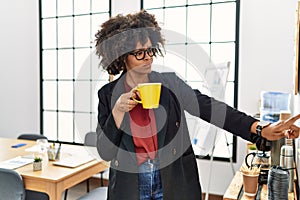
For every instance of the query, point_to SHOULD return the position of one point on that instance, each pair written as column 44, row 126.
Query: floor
column 77, row 191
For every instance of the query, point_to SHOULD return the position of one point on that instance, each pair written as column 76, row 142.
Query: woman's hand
column 282, row 129
column 124, row 104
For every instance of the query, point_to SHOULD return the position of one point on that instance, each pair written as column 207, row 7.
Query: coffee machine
column 262, row 159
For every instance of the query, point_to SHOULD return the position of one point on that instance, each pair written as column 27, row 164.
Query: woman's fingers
column 125, row 102
column 293, row 132
column 289, row 122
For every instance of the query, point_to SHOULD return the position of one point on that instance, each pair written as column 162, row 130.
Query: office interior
column 266, row 63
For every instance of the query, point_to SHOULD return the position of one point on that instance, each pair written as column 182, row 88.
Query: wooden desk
column 54, row 179
column 235, row 190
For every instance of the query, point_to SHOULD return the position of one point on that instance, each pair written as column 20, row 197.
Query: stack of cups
column 278, row 183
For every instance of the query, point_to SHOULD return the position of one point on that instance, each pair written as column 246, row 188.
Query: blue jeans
column 149, row 181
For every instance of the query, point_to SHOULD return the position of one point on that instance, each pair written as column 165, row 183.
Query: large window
column 70, row 77
column 211, row 26
column 68, row 68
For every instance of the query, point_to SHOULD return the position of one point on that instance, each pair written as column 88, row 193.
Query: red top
column 143, row 128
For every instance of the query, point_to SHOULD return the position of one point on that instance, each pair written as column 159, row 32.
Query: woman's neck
column 133, row 79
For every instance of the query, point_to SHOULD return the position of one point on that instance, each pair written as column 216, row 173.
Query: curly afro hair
column 119, row 36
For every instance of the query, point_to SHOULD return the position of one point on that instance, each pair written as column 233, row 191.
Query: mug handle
column 246, row 159
column 133, row 90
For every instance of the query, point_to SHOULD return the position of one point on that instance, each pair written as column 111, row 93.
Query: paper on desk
column 15, row 163
column 34, row 148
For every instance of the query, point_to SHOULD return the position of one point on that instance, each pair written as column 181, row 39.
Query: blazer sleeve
column 213, row 111
column 109, row 136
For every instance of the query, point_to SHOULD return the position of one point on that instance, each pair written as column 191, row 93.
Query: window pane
column 198, row 56
column 153, row 3
column 96, row 85
column 94, row 121
column 65, row 64
column 65, row 95
column 82, row 63
column 82, row 98
column 175, row 20
column 198, row 23
column 97, row 20
column 175, row 3
column 223, row 22
column 82, row 31
column 65, row 30
column 229, row 94
column 97, row 71
column 49, row 95
column 49, row 33
column 65, row 7
column 175, row 61
column 50, row 125
column 82, row 126
column 65, row 127
column 224, row 52
column 49, row 64
column 100, row 6
column 48, row 8
column 215, row 1
column 190, row 2
column 81, row 7
column 68, row 56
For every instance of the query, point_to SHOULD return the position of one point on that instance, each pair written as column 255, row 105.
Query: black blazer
column 179, row 173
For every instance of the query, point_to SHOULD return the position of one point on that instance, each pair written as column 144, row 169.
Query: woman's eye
column 139, row 53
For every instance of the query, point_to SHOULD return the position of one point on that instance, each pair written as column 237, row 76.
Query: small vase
column 37, row 166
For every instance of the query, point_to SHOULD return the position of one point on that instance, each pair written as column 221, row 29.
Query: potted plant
column 252, row 148
column 37, row 164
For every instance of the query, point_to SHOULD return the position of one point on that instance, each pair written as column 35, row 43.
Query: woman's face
column 142, row 66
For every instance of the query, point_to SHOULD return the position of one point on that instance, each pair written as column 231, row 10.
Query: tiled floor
column 75, row 192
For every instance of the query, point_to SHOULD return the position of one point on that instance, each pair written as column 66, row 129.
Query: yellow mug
column 150, row 94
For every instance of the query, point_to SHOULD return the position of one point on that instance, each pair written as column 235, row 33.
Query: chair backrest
column 31, row 136
column 90, row 139
column 11, row 185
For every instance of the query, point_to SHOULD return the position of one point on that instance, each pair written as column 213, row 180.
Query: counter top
column 235, row 190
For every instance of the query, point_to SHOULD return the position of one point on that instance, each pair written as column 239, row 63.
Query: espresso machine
column 262, row 159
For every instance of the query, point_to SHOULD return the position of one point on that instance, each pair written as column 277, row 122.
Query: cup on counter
column 250, row 179
column 53, row 153
column 250, row 183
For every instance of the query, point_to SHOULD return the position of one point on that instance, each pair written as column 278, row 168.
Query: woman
column 150, row 149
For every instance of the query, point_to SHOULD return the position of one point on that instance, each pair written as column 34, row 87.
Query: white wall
column 266, row 63
column 19, row 70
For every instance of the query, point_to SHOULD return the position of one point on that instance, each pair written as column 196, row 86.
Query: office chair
column 99, row 193
column 90, row 139
column 31, row 136
column 12, row 187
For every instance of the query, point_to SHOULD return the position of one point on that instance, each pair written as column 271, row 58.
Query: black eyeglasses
column 140, row 54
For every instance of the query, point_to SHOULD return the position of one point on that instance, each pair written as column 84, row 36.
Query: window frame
column 236, row 70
